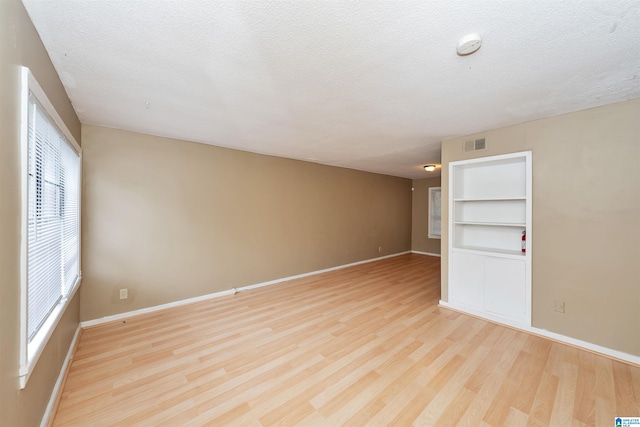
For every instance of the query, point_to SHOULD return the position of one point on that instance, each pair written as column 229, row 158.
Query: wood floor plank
column 452, row 414
column 361, row 346
column 584, row 408
column 627, row 404
column 562, row 412
column 490, row 383
column 544, row 398
column 515, row 418
column 347, row 395
column 529, row 377
column 446, row 393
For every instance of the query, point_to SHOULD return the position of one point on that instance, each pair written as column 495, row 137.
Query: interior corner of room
column 170, row 220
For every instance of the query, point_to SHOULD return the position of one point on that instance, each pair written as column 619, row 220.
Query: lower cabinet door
column 505, row 288
column 467, row 280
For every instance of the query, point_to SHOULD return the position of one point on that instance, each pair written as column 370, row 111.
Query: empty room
column 319, row 213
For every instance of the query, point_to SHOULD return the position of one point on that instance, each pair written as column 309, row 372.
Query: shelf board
column 490, row 199
column 491, row 224
column 490, row 251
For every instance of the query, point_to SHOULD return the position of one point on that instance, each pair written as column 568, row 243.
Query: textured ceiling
column 370, row 85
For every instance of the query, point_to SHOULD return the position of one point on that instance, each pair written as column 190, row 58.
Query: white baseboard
column 57, row 388
column 585, row 345
column 425, row 253
column 128, row 314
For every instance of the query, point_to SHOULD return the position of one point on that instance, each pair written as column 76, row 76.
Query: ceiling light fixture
column 430, row 168
column 469, row 44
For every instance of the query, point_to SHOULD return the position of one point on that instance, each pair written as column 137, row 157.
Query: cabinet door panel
column 467, row 279
column 505, row 287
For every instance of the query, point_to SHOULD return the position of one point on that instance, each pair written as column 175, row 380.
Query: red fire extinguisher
column 524, row 241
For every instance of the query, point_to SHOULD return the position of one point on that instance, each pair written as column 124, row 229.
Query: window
column 435, row 206
column 51, row 221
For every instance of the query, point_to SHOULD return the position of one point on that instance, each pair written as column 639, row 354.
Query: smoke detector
column 469, row 44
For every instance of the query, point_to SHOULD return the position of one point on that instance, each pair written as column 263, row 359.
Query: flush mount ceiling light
column 430, row 168
column 469, row 44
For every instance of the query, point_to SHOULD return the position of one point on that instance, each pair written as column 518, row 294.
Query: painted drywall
column 420, row 240
column 20, row 45
column 585, row 239
column 170, row 219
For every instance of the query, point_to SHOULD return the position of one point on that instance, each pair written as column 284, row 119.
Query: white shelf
column 490, row 199
column 479, row 250
column 492, row 224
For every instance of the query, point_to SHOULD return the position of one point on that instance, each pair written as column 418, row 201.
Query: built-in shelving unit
column 490, row 209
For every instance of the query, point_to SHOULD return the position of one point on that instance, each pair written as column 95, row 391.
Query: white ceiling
column 369, row 85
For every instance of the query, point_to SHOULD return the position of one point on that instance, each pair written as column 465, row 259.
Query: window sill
column 39, row 342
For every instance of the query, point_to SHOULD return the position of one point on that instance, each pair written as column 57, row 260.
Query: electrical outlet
column 379, row 249
column 560, row 306
column 124, row 293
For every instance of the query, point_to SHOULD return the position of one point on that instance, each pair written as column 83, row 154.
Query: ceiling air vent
column 474, row 145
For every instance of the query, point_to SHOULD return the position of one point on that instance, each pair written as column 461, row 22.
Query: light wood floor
column 365, row 345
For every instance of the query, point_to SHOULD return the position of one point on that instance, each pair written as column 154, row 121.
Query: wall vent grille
column 474, row 145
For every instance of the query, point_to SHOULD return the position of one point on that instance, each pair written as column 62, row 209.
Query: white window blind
column 50, row 247
column 53, row 220
column 435, row 208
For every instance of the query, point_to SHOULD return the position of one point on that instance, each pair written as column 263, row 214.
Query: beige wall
column 585, row 240
column 20, row 45
column 420, row 240
column 171, row 220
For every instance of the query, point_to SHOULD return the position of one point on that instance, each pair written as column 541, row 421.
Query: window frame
column 30, row 352
column 430, row 231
